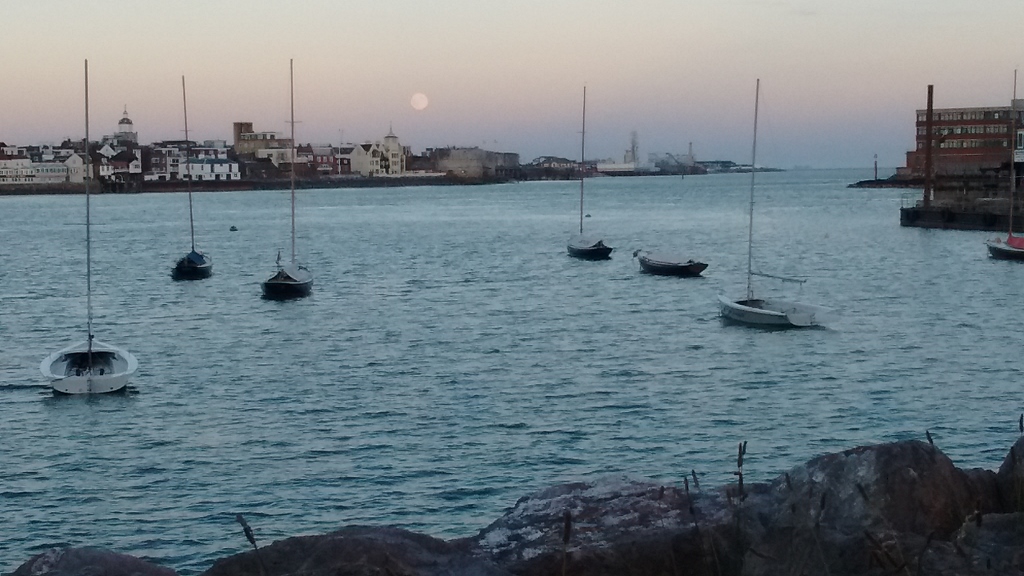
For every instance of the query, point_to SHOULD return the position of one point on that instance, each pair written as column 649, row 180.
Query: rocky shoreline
column 897, row 508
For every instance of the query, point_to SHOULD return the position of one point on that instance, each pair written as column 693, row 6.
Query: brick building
column 965, row 141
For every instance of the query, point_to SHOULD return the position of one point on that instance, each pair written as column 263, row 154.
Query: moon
column 419, row 101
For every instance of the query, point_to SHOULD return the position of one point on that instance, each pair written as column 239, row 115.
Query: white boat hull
column 69, row 373
column 773, row 313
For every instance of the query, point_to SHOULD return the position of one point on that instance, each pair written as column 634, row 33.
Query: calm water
column 453, row 358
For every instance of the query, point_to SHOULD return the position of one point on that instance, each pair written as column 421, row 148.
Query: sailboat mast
column 88, row 221
column 188, row 165
column 291, row 85
column 583, row 154
column 753, row 171
column 1013, row 150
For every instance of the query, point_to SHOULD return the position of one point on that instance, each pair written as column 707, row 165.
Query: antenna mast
column 1013, row 150
column 753, row 171
column 88, row 221
column 188, row 165
column 291, row 85
column 583, row 154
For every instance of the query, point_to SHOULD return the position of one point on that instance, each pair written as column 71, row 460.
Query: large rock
column 618, row 526
column 1010, row 478
column 358, row 551
column 866, row 510
column 88, row 562
column 872, row 507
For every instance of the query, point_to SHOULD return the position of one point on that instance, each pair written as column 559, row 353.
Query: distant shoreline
column 65, row 188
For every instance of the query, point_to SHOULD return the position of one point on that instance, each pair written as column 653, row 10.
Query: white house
column 385, row 158
column 211, row 169
column 76, row 168
column 50, row 172
column 276, row 155
column 16, row 170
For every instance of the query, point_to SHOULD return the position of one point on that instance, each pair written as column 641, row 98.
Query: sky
column 840, row 81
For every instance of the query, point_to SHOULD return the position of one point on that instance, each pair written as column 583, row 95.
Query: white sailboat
column 1013, row 247
column 291, row 280
column 195, row 265
column 763, row 311
column 89, row 367
column 580, row 246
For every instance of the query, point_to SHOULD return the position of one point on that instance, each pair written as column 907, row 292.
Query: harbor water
column 453, row 358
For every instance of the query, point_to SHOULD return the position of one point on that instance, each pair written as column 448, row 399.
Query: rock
column 873, row 508
column 619, row 526
column 88, row 562
column 358, row 551
column 1010, row 478
column 869, row 507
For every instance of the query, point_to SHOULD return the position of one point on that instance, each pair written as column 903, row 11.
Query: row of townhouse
column 107, row 166
column 184, row 160
column 381, row 158
column 40, row 165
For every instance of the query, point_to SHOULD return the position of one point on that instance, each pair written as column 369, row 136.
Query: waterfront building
column 1018, row 149
column 50, row 172
column 965, row 141
column 277, row 156
column 16, row 169
column 247, row 141
column 210, row 170
column 343, row 158
column 167, row 160
column 6, row 150
column 162, row 161
column 102, row 169
column 364, row 159
column 380, row 158
column 325, row 161
column 554, row 162
column 76, row 168
column 474, row 162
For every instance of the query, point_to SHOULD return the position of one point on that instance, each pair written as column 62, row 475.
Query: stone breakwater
column 899, row 508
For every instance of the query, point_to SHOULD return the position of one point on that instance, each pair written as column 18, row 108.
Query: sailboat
column 580, row 246
column 291, row 280
column 1013, row 247
column 89, row 367
column 762, row 311
column 195, row 265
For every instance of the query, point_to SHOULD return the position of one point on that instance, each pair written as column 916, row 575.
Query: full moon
column 419, row 101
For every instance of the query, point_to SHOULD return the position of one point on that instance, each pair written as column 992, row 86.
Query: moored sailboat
column 195, row 265
column 580, row 246
column 1013, row 247
column 90, row 366
column 766, row 312
column 291, row 280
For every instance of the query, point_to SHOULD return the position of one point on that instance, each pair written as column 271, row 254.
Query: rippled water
column 453, row 358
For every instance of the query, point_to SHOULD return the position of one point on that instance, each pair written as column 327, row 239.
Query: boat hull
column 1002, row 251
column 69, row 372
column 588, row 249
column 187, row 269
column 290, row 282
column 772, row 313
column 283, row 290
column 688, row 269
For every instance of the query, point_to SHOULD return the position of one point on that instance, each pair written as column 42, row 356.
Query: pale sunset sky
column 840, row 80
